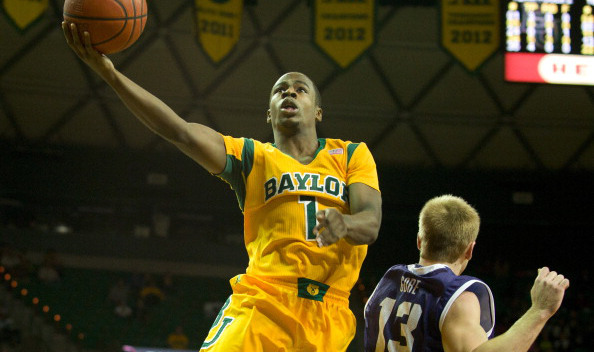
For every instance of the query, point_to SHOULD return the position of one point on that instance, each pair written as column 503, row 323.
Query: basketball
column 114, row 25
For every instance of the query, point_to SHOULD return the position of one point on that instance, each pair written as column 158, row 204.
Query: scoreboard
column 549, row 41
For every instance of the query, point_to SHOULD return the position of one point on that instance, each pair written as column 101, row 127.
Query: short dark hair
column 318, row 95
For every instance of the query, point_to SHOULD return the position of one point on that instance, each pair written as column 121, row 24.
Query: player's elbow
column 374, row 231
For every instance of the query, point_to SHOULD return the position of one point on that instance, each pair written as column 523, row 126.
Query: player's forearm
column 150, row 110
column 362, row 228
column 520, row 336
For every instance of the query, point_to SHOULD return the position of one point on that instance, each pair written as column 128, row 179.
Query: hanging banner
column 217, row 26
column 24, row 13
column 470, row 30
column 344, row 30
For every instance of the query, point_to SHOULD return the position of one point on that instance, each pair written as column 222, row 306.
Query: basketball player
column 430, row 306
column 311, row 206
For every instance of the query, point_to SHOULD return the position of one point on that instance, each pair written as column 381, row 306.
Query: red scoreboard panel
column 549, row 41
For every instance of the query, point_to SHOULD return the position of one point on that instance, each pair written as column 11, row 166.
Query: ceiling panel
column 502, row 150
column 87, row 126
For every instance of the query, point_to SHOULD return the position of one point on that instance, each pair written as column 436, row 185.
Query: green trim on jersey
column 247, row 156
column 236, row 172
column 321, row 141
column 350, row 150
column 233, row 175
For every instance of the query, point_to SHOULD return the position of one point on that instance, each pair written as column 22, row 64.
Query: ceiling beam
column 20, row 136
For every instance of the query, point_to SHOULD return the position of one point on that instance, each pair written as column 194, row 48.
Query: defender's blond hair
column 447, row 224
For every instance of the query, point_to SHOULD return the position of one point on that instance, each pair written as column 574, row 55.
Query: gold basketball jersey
column 279, row 198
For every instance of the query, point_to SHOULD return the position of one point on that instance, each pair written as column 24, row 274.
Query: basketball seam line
column 105, row 18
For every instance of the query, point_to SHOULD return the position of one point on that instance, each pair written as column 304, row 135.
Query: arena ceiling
column 410, row 100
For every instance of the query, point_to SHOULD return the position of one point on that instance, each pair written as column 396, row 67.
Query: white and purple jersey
column 408, row 307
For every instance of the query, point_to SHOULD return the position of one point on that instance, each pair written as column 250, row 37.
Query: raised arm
column 199, row 142
column 462, row 332
column 360, row 227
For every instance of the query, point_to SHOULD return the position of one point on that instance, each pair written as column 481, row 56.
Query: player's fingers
column 87, row 42
column 564, row 283
column 543, row 272
column 74, row 35
column 551, row 276
column 320, row 237
column 321, row 215
column 325, row 237
column 319, row 229
column 67, row 34
column 560, row 280
column 321, row 242
column 322, row 222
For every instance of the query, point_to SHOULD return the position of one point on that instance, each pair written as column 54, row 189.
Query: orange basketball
column 114, row 25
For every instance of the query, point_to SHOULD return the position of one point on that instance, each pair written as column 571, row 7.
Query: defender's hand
column 548, row 291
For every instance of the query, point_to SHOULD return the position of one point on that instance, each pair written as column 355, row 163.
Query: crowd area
column 133, row 297
column 130, row 298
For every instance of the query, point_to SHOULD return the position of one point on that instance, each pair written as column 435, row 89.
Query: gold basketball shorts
column 279, row 316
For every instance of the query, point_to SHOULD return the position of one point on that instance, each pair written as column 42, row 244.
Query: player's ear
column 268, row 116
column 469, row 249
column 419, row 241
column 318, row 114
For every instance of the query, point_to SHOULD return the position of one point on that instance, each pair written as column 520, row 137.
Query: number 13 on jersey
column 407, row 316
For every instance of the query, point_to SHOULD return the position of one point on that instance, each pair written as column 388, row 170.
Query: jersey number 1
column 311, row 208
column 407, row 315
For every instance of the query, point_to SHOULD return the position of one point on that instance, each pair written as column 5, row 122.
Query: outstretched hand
column 331, row 227
column 84, row 50
column 548, row 291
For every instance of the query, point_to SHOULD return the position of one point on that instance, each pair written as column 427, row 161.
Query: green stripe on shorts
column 311, row 289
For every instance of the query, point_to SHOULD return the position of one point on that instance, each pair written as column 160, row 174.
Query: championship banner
column 344, row 30
column 23, row 13
column 218, row 23
column 470, row 30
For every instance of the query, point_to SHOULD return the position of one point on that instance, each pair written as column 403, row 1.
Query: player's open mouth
column 289, row 106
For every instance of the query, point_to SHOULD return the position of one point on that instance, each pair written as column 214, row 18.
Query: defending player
column 430, row 306
column 310, row 208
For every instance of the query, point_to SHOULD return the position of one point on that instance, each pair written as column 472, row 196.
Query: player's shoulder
column 399, row 268
column 250, row 143
column 467, row 279
column 395, row 272
column 341, row 142
column 346, row 147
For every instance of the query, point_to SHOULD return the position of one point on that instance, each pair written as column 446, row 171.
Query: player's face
column 293, row 102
